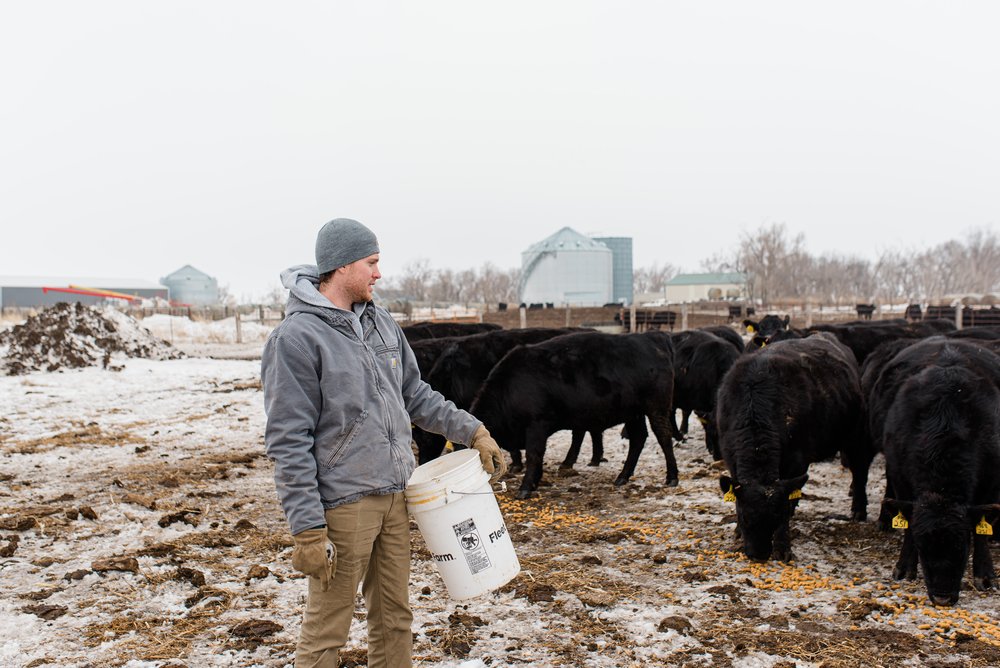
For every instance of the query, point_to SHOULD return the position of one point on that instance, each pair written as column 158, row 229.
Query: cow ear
column 898, row 506
column 787, row 321
column 725, row 483
column 750, row 325
column 990, row 513
column 792, row 485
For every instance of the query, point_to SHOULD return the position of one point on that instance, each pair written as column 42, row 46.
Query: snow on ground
column 139, row 527
column 178, row 329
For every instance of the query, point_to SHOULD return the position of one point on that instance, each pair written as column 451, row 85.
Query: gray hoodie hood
column 302, row 283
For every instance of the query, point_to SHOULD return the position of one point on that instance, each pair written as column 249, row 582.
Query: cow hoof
column 859, row 516
column 595, row 463
column 900, row 573
column 515, row 468
column 672, row 482
column 982, row 583
column 619, row 481
column 564, row 466
column 523, row 494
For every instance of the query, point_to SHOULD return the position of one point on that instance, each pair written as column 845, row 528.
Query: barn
column 192, row 287
column 42, row 291
column 569, row 268
column 684, row 288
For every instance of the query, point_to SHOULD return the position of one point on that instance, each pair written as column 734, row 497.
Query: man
column 341, row 388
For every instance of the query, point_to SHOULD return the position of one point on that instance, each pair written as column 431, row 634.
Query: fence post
column 523, row 313
column 239, row 328
column 809, row 314
column 631, row 323
column 684, row 317
column 568, row 320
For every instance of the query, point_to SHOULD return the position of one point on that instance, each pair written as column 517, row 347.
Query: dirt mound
column 74, row 336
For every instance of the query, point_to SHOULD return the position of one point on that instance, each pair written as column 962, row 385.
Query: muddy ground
column 139, row 527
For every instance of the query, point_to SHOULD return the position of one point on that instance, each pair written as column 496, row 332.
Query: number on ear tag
column 796, row 494
column 730, row 496
column 899, row 522
column 984, row 528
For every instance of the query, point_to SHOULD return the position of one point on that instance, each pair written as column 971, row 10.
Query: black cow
column 726, row 333
column 865, row 311
column 427, row 351
column 463, row 365
column 701, row 360
column 435, row 330
column 863, row 339
column 942, row 450
column 877, row 374
column 587, row 381
column 787, row 405
column 913, row 312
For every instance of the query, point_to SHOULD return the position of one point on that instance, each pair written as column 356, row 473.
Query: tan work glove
column 489, row 453
column 314, row 555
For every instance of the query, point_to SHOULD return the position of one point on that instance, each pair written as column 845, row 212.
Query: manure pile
column 73, row 336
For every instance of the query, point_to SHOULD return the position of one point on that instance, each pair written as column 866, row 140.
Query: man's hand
column 489, row 453
column 314, row 555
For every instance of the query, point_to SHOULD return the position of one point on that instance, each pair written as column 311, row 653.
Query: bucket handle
column 503, row 488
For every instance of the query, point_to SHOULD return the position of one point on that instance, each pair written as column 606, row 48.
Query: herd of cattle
column 924, row 394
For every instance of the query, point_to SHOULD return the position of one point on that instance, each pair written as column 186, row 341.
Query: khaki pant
column 372, row 537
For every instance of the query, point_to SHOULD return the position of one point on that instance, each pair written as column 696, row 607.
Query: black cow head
column 762, row 514
column 941, row 531
column 765, row 330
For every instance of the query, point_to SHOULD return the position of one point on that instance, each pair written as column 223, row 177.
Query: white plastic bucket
column 451, row 499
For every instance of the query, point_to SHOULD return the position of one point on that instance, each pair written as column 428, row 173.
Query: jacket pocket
column 341, row 445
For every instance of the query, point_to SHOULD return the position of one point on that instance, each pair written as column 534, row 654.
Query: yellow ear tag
column 899, row 522
column 796, row 494
column 730, row 496
column 750, row 329
column 984, row 528
column 449, row 446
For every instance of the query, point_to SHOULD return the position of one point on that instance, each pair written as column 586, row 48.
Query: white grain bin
column 567, row 268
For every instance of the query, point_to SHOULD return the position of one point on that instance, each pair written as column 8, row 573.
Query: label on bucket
column 472, row 545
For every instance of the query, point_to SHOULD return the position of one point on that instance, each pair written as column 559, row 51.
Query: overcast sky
column 137, row 137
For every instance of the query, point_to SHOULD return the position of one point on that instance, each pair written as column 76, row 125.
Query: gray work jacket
column 341, row 389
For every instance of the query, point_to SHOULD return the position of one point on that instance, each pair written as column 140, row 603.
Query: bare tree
column 415, row 279
column 765, row 256
column 652, row 278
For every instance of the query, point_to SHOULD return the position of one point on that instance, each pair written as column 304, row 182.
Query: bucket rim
column 458, row 464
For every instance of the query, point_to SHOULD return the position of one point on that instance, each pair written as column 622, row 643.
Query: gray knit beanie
column 341, row 242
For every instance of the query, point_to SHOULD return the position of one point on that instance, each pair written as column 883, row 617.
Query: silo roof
column 566, row 239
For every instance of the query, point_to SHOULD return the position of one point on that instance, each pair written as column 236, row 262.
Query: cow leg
column 859, row 483
column 515, row 461
column 534, row 452
column 906, row 567
column 685, row 417
column 885, row 514
column 429, row 446
column 574, row 449
column 636, row 439
column 597, row 448
column 782, row 545
column 983, row 575
column 661, row 428
column 674, row 430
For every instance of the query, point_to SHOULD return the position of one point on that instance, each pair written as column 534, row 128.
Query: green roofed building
column 700, row 287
